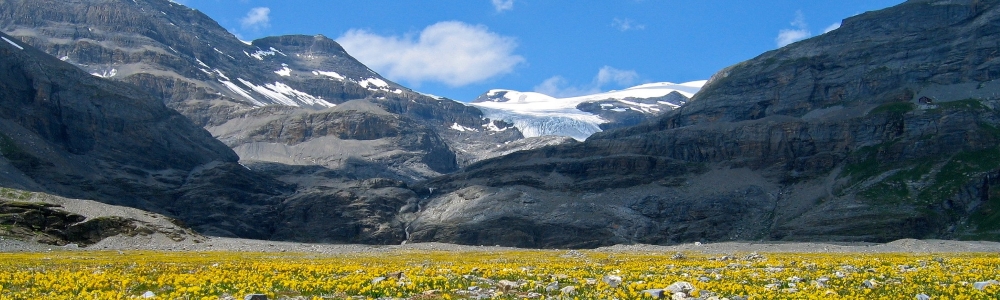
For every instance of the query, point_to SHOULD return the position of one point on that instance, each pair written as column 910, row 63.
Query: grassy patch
column 988, row 217
column 954, row 173
column 895, row 188
column 962, row 168
column 966, row 104
column 12, row 194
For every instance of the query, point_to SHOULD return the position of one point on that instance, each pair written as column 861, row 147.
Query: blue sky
column 463, row 48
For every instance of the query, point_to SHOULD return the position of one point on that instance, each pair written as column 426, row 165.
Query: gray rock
column 680, row 287
column 568, row 290
column 923, row 297
column 612, row 280
column 981, row 285
column 255, row 297
column 655, row 293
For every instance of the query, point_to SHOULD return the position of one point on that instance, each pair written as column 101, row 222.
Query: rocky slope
column 201, row 70
column 883, row 129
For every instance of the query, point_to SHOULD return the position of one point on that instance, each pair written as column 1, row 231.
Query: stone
column 655, row 293
column 869, row 284
column 923, row 297
column 148, row 294
column 255, row 297
column 981, row 285
column 552, row 287
column 612, row 280
column 507, row 285
column 680, row 287
column 568, row 290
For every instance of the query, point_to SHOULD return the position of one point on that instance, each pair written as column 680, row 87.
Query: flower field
column 550, row 274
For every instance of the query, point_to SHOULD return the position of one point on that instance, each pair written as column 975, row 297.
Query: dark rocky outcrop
column 822, row 140
column 39, row 218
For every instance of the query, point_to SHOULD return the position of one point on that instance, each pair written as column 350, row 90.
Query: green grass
column 895, row 188
column 965, row 104
column 12, row 194
column 961, row 169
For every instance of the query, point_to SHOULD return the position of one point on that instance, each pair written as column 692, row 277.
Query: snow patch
column 330, row 74
column 286, row 95
column 12, row 43
column 462, row 128
column 217, row 71
column 261, row 54
column 64, row 58
column 240, row 91
column 377, row 83
column 202, row 63
column 436, row 97
column 285, row 71
column 106, row 74
column 493, row 127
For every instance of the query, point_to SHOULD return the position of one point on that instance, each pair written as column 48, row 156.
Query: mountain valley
column 883, row 129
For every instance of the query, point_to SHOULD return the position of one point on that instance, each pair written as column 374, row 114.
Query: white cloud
column 832, row 27
column 559, row 87
column 257, row 18
column 620, row 77
column 626, row 24
column 801, row 31
column 451, row 52
column 503, row 5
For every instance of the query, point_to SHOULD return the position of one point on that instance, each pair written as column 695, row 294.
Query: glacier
column 537, row 114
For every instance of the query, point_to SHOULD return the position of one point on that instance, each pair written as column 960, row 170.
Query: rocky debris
column 255, row 297
column 923, row 297
column 148, row 294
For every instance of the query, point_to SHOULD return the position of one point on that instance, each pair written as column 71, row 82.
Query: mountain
column 67, row 133
column 537, row 114
column 883, row 129
column 273, row 99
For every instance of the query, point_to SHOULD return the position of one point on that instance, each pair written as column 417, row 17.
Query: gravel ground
column 162, row 243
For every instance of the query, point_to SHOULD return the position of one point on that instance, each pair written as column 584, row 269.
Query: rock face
column 826, row 139
column 201, row 70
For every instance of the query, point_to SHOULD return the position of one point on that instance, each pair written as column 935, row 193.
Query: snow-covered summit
column 537, row 114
